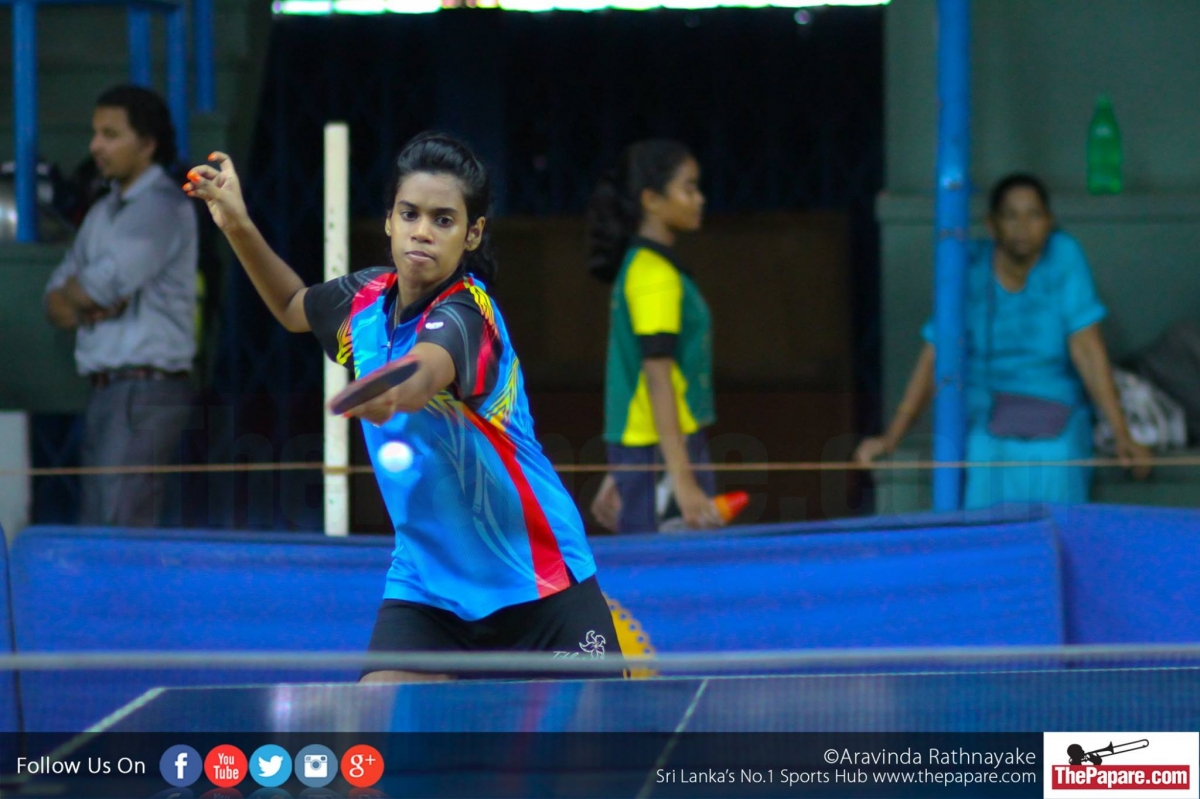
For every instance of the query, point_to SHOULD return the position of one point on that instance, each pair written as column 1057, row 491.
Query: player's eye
column 408, row 216
column 445, row 221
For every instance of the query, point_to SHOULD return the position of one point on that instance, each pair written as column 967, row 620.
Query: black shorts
column 573, row 623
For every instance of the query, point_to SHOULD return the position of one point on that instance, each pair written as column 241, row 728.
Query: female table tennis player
column 490, row 550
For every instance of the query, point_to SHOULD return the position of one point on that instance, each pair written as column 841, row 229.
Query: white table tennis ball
column 395, row 456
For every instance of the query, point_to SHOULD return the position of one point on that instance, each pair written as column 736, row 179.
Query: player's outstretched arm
column 435, row 372
column 280, row 287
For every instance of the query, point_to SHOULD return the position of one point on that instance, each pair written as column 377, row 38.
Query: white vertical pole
column 337, row 258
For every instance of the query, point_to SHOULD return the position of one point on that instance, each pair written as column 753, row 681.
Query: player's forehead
column 431, row 192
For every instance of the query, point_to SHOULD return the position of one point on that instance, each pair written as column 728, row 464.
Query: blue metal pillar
column 177, row 85
column 953, row 219
column 139, row 46
column 202, row 47
column 25, row 116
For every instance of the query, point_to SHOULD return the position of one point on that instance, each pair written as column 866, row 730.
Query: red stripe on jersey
column 485, row 358
column 366, row 296
column 548, row 563
column 457, row 287
column 485, row 346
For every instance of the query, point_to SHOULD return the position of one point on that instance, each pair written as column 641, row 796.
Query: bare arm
column 69, row 306
column 697, row 507
column 79, row 299
column 606, row 505
column 917, row 397
column 435, row 372
column 1090, row 357
column 276, row 282
column 61, row 312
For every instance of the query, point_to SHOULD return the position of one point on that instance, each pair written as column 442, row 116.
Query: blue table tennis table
column 1006, row 701
column 612, row 738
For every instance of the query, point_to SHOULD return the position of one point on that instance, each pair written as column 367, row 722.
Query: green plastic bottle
column 1104, row 150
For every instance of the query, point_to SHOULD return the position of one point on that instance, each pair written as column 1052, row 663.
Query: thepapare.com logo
column 1131, row 765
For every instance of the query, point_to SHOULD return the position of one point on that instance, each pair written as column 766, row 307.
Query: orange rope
column 601, row 468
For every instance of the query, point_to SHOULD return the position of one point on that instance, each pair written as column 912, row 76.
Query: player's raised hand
column 217, row 184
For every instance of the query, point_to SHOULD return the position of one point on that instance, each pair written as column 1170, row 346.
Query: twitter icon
column 270, row 766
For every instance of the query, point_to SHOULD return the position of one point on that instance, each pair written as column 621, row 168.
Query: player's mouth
column 419, row 257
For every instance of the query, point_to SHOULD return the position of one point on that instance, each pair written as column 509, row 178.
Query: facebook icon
column 181, row 766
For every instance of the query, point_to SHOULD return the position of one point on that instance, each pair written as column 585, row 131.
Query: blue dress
column 1026, row 351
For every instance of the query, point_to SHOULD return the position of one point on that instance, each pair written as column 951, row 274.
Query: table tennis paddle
column 371, row 385
column 731, row 504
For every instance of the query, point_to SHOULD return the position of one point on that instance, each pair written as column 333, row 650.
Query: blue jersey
column 482, row 520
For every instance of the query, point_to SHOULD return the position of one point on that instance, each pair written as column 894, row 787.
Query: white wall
column 1037, row 66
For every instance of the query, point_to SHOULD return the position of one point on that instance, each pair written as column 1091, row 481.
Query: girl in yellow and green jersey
column 658, row 396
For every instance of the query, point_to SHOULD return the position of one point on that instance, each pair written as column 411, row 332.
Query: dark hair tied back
column 615, row 209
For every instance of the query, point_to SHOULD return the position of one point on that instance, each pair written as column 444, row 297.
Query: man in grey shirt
column 128, row 288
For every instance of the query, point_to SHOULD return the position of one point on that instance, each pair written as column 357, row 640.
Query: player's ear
column 475, row 234
column 387, row 226
column 650, row 200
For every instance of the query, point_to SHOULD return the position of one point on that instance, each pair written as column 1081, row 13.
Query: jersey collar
column 661, row 249
column 414, row 309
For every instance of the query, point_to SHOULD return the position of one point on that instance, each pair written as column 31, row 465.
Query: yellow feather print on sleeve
column 343, row 340
column 484, row 302
column 499, row 411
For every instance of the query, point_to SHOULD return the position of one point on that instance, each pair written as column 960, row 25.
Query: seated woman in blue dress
column 1035, row 357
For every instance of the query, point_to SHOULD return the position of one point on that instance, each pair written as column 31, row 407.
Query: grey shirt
column 141, row 246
